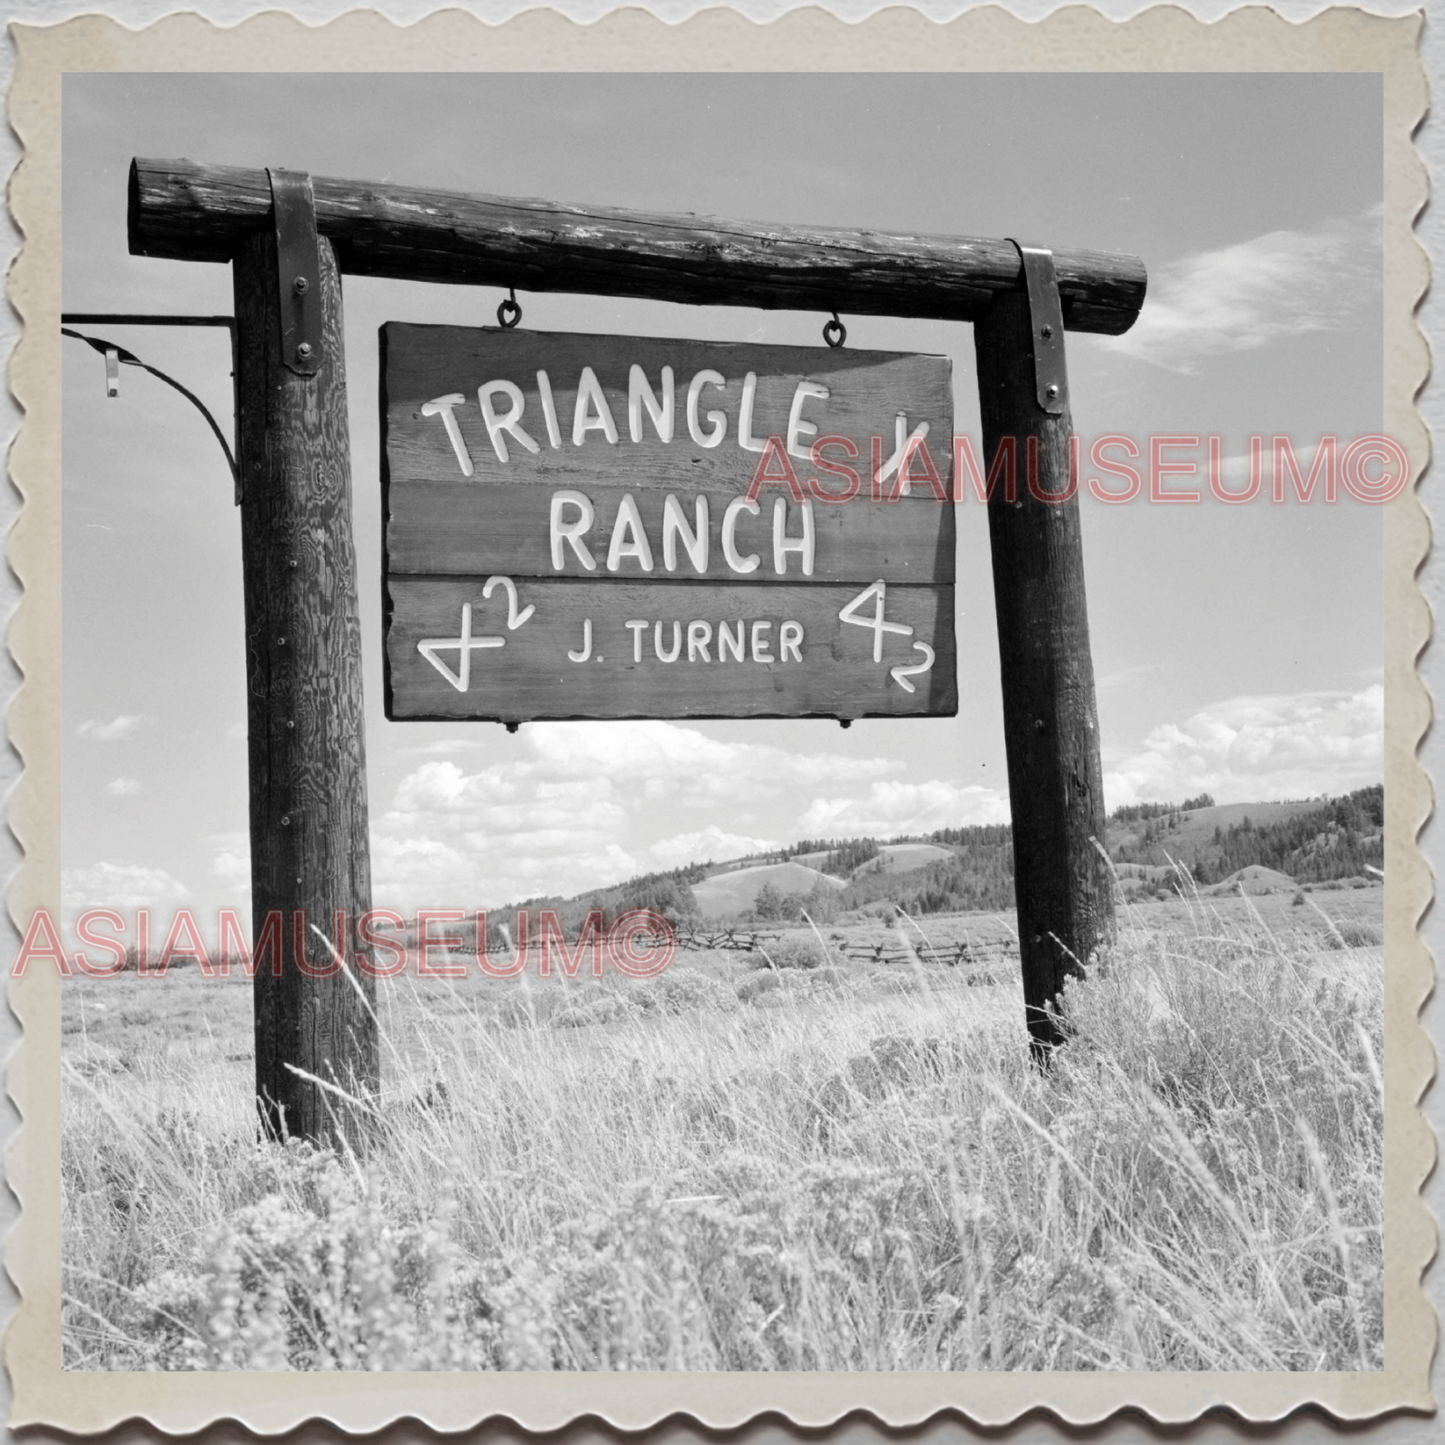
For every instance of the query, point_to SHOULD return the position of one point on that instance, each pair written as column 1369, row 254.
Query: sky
column 1237, row 649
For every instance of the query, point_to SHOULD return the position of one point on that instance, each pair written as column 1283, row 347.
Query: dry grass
column 819, row 1168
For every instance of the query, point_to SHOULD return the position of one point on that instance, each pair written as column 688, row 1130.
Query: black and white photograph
column 723, row 722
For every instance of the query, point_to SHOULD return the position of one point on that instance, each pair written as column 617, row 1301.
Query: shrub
column 792, row 950
column 1350, row 933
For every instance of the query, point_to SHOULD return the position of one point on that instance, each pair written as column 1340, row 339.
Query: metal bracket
column 298, row 270
column 1046, row 326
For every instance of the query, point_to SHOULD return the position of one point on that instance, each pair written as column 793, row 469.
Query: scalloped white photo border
column 991, row 39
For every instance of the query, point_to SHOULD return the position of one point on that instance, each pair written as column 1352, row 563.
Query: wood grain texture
column 186, row 211
column 475, row 529
column 1051, row 726
column 866, row 391
column 309, row 836
column 531, row 676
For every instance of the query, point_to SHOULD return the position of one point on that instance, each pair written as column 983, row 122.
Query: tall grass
column 839, row 1171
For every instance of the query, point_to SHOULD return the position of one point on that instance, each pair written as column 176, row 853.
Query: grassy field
column 742, row 1166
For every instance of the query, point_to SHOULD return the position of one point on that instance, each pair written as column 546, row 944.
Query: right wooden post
column 1051, row 726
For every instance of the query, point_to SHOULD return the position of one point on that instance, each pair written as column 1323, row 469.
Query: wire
column 129, row 358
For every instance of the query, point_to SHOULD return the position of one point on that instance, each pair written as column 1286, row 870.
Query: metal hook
column 509, row 313
column 834, row 332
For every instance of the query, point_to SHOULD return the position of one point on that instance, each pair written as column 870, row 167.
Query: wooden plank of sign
column 466, row 528
column 866, row 391
column 193, row 212
column 530, row 675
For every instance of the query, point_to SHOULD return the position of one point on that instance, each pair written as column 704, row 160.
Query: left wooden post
column 310, row 860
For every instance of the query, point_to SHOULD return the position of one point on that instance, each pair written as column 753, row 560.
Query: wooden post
column 310, row 862
column 1051, row 727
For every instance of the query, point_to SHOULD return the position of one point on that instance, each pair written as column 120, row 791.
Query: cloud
column 710, row 843
column 563, row 818
column 123, row 886
column 110, row 732
column 231, row 863
column 670, row 760
column 893, row 807
column 122, row 787
column 1250, row 749
column 1245, row 296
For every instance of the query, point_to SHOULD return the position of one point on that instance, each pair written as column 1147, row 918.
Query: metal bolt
column 299, row 285
column 290, row 722
column 1046, row 332
column 1051, row 391
column 285, row 820
column 304, row 351
column 280, row 642
column 293, row 563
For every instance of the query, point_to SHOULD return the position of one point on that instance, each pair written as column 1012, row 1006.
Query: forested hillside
column 1311, row 841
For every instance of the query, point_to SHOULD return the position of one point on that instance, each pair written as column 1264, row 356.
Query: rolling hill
column 1260, row 847
column 725, row 895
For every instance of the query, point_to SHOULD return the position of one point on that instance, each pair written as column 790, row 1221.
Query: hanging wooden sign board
column 606, row 527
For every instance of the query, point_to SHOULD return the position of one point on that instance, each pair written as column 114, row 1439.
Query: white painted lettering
column 515, row 618
column 797, row 427
column 639, row 392
column 571, row 532
column 442, row 406
column 676, row 642
column 694, row 541
column 591, row 412
column 727, row 643
column 699, row 634
column 904, row 441
column 736, row 507
column 879, row 593
column 762, row 645
column 638, row 628
column 783, row 544
column 628, row 538
column 549, row 410
column 582, row 654
column 511, row 422
column 746, row 440
column 790, row 639
column 717, row 418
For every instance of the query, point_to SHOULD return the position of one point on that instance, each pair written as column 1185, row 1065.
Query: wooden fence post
column 310, row 861
column 1051, row 728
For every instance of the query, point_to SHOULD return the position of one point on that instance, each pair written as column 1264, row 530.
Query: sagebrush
column 797, row 1168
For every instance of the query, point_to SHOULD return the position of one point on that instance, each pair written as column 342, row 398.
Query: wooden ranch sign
column 500, row 491
column 605, row 527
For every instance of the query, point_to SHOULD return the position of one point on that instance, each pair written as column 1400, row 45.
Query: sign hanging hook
column 834, row 332
column 509, row 313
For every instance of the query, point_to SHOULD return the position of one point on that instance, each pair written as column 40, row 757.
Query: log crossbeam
column 183, row 211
